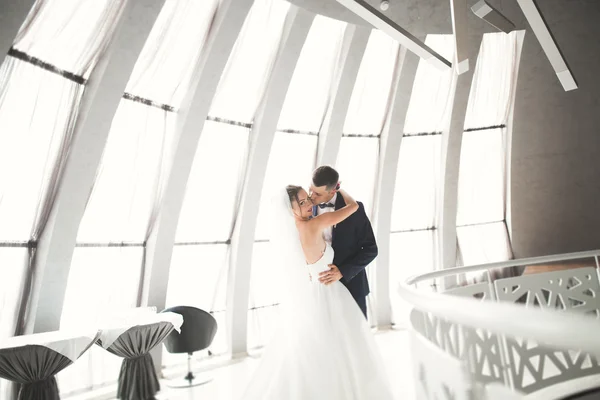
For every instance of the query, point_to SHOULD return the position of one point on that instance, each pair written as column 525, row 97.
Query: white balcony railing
column 535, row 336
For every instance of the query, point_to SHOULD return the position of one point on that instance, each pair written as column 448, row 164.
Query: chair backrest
column 197, row 332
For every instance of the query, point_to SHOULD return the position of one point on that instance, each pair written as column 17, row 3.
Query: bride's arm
column 335, row 217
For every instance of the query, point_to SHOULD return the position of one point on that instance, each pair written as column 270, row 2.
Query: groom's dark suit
column 354, row 244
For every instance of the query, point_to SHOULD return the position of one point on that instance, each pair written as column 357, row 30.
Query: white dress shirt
column 328, row 232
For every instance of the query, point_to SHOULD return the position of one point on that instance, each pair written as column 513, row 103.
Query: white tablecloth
column 114, row 328
column 68, row 343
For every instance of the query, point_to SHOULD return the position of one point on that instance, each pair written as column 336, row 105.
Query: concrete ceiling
column 419, row 17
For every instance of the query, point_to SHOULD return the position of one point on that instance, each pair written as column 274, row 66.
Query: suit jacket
column 354, row 243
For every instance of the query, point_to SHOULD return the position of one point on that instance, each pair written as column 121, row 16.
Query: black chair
column 197, row 333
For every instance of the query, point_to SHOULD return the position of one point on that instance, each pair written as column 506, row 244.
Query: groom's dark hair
column 325, row 176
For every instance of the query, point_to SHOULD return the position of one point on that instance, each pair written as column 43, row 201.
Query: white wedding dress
column 324, row 348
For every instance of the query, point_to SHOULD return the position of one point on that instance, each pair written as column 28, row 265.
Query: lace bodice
column 323, row 263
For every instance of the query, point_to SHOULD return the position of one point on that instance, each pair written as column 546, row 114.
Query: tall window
column 42, row 82
column 358, row 158
column 359, row 149
column 200, row 263
column 412, row 241
column 128, row 186
column 481, row 219
column 292, row 160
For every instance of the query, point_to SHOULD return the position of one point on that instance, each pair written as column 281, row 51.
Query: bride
column 324, row 349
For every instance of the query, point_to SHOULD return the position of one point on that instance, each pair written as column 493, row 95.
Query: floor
column 229, row 382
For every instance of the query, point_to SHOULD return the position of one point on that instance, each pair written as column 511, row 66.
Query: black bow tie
column 326, row 205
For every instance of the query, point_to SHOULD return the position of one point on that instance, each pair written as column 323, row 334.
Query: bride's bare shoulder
column 306, row 226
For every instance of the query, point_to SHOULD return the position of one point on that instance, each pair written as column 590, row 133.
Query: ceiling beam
column 492, row 16
column 385, row 24
column 458, row 10
column 544, row 36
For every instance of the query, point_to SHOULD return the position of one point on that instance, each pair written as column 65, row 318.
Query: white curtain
column 11, row 286
column 430, row 103
column 242, row 84
column 100, row 279
column 69, row 34
column 131, row 177
column 370, row 97
column 205, row 225
column 417, row 183
column 358, row 163
column 264, row 293
column 38, row 110
column 292, row 160
column 358, row 157
column 492, row 90
column 169, row 60
column 482, row 177
column 198, row 278
column 134, row 164
column 411, row 253
column 484, row 243
column 211, row 197
column 418, row 175
column 308, row 95
column 213, row 190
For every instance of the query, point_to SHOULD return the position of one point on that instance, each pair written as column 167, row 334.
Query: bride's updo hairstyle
column 292, row 191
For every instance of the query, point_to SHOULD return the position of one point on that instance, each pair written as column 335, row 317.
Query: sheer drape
column 484, row 243
column 264, row 296
column 38, row 110
column 430, row 101
column 482, row 178
column 131, row 177
column 481, row 189
column 211, row 200
column 492, row 90
column 418, row 176
column 291, row 161
column 243, row 81
column 69, row 34
column 169, row 60
column 200, row 261
column 11, row 286
column 370, row 98
column 417, row 183
column 357, row 164
column 198, row 278
column 359, row 156
column 411, row 253
column 308, row 95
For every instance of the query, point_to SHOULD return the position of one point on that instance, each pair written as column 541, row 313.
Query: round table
column 133, row 341
column 32, row 361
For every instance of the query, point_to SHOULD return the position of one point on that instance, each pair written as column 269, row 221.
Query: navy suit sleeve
column 367, row 248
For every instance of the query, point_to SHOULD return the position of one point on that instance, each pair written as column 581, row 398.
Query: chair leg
column 190, row 380
column 190, row 376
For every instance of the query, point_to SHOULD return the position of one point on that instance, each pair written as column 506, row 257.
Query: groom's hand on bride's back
column 333, row 275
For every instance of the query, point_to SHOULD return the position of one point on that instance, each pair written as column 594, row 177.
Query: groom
column 352, row 240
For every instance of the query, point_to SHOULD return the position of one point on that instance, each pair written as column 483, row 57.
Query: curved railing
column 533, row 336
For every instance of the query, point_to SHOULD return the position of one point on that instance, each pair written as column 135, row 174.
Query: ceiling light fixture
column 385, row 5
column 544, row 36
column 385, row 24
column 492, row 16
